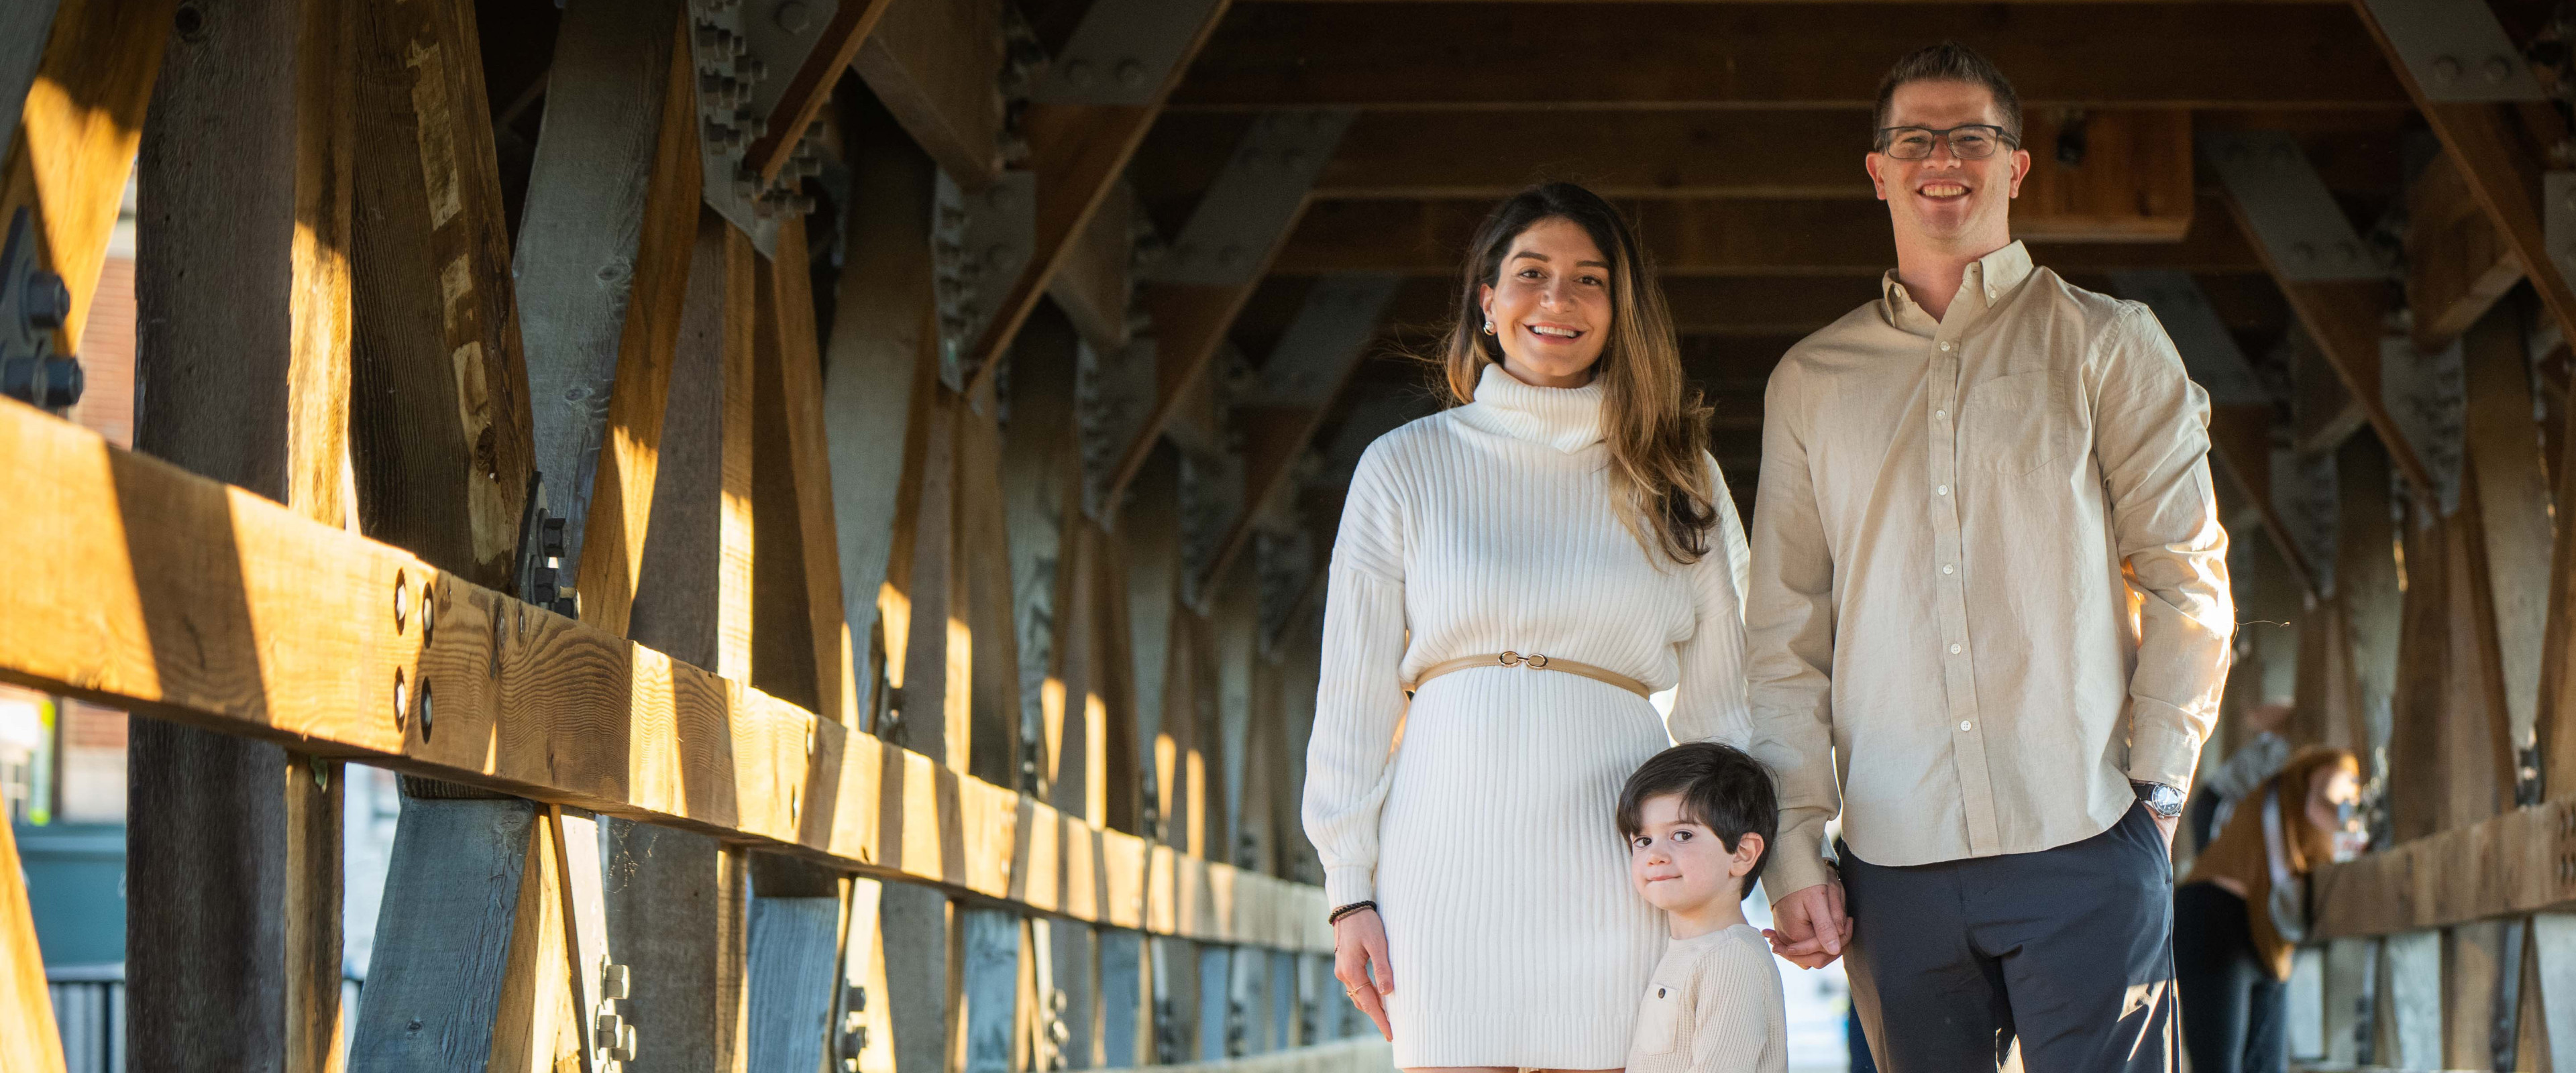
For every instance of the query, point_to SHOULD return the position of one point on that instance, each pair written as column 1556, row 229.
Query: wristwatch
column 2159, row 798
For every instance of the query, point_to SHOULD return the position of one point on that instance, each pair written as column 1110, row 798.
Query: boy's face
column 1679, row 865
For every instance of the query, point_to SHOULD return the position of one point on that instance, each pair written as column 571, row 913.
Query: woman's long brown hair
column 1655, row 423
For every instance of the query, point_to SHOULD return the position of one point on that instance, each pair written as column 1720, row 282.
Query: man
column 1990, row 584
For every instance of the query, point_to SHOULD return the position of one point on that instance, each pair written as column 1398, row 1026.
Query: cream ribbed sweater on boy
column 1714, row 1007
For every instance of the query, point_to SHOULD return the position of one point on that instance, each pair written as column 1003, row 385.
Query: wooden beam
column 523, row 702
column 936, row 64
column 30, row 1041
column 2457, row 266
column 810, row 88
column 76, row 136
column 1095, row 286
column 2510, row 865
column 797, row 565
column 1370, row 56
column 447, row 981
column 2369, row 595
column 1712, row 238
column 1078, row 151
column 2514, row 520
column 2421, row 672
column 982, row 568
column 242, row 289
column 2135, row 183
column 439, row 417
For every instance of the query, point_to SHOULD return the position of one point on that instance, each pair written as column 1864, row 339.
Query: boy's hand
column 1813, row 929
column 1359, row 962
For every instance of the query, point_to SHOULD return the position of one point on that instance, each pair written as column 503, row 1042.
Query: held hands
column 1359, row 962
column 1812, row 928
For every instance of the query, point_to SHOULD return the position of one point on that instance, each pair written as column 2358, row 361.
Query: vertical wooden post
column 242, row 282
column 794, row 923
column 992, row 1013
column 2367, row 588
column 1126, row 1000
column 28, row 1038
column 2514, row 516
column 2425, row 662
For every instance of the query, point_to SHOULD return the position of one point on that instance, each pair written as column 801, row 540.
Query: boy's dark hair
column 1949, row 61
column 1722, row 789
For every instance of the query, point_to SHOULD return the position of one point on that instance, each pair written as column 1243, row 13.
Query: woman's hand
column 1359, row 962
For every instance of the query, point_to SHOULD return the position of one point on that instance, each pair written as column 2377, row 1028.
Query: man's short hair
column 1721, row 788
column 1949, row 61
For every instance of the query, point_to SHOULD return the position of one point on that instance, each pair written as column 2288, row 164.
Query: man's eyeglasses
column 1968, row 141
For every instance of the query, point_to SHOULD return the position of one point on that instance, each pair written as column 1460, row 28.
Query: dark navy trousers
column 2067, row 952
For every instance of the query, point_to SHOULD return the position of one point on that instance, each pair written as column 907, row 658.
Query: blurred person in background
column 2243, row 907
column 2258, row 759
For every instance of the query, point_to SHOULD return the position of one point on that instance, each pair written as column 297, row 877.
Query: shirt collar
column 1566, row 418
column 1988, row 279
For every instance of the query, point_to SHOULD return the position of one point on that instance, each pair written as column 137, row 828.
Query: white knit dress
column 1480, row 819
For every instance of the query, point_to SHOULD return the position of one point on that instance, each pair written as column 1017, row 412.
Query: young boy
column 1699, row 819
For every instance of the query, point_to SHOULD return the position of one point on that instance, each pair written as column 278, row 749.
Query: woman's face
column 2333, row 797
column 1550, row 306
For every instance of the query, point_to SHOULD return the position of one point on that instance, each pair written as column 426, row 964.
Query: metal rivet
column 2446, row 69
column 426, row 716
column 2497, row 69
column 402, row 698
column 402, row 601
column 1081, row 74
column 1131, row 74
column 794, row 17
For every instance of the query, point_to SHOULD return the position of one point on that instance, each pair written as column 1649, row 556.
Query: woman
column 2231, row 962
column 1530, row 564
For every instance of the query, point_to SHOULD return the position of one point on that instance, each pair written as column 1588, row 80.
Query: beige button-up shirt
column 1988, row 575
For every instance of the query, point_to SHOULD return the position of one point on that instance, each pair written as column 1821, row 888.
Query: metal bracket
column 34, row 303
column 2208, row 351
column 1331, row 329
column 542, row 577
column 1284, row 561
column 2558, row 219
column 1255, row 199
column 2456, row 50
column 741, row 60
column 2293, row 217
column 1112, row 392
column 2427, row 395
column 980, row 241
column 1211, row 498
column 2304, row 493
column 1123, row 52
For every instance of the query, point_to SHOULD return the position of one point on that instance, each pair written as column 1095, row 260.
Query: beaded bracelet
column 1347, row 910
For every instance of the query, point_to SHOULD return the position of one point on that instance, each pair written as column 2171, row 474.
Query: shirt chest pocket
column 2020, row 424
column 1659, row 1020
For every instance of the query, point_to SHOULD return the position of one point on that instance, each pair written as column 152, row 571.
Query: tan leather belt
column 1534, row 661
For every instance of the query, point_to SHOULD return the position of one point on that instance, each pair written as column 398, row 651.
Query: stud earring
column 1489, row 327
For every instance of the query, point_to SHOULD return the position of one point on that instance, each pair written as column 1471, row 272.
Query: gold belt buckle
column 1509, row 659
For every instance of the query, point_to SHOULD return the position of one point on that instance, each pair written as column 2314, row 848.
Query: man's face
column 1942, row 200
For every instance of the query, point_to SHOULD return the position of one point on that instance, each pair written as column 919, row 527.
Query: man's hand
column 1812, row 928
column 1359, row 962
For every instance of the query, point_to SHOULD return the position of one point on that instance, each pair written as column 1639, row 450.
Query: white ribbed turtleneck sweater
column 1487, row 838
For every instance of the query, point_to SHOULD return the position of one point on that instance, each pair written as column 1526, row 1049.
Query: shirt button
column 1945, row 568
column 1963, row 724
column 1941, row 415
column 1954, row 650
column 1941, row 490
column 1945, row 346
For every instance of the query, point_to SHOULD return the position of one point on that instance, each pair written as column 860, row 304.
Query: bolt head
column 1131, row 74
column 45, row 301
column 794, row 17
column 2497, row 69
column 2305, row 252
column 1081, row 74
column 2446, row 69
column 614, row 981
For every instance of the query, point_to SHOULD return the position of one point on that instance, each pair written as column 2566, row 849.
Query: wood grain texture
column 613, row 525
column 439, row 415
column 1096, row 282
column 792, row 947
column 537, row 1029
column 2509, row 865
column 180, row 578
column 442, row 982
column 984, row 592
column 2457, row 265
column 797, row 601
column 810, row 88
column 604, row 184
column 2159, row 55
column 76, row 135
column 2514, row 514
column 28, row 1039
column 936, row 64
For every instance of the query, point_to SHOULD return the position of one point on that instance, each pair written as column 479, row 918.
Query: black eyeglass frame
column 1886, row 138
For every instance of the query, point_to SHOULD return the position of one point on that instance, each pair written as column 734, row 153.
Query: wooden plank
column 2457, row 266
column 242, row 287
column 2164, row 55
column 525, row 702
column 596, row 243
column 538, row 1029
column 439, row 417
column 1078, row 152
column 2368, row 591
column 810, row 88
column 30, row 1041
column 76, row 133
column 666, row 908
column 1040, row 489
column 440, row 987
column 992, row 1015
column 2474, row 723
column 1095, row 285
column 1730, row 237
column 802, row 645
column 2553, row 948
column 795, row 925
column 2421, row 676
column 982, row 567
column 695, row 602
column 2506, row 866
column 874, row 364
column 936, row 65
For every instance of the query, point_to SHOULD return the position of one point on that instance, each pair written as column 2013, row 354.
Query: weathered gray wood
column 2414, row 989
column 1236, row 629
column 434, row 982
column 992, row 986
column 1149, row 534
column 880, row 339
column 666, row 901
column 1215, row 1000
column 24, row 29
column 1073, row 970
column 2553, row 948
column 677, row 605
column 1126, row 1000
column 2367, row 588
column 2349, row 969
column 579, row 228
column 233, row 869
column 1037, row 486
column 2513, row 503
column 917, row 922
column 1284, row 1000
column 795, row 927
column 587, row 938
column 1177, row 1003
